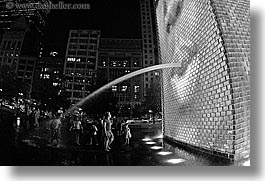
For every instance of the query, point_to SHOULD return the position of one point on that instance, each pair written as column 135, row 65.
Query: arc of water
column 120, row 79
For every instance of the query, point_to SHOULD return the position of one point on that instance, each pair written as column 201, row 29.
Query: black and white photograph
column 125, row 83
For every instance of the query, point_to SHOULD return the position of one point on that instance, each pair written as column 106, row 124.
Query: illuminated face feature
column 179, row 46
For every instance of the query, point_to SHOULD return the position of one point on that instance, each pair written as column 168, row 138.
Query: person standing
column 93, row 134
column 77, row 128
column 55, row 127
column 37, row 117
column 128, row 134
column 108, row 135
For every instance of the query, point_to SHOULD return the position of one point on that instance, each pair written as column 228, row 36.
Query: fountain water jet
column 120, row 79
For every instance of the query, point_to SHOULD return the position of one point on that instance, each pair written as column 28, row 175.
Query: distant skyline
column 115, row 19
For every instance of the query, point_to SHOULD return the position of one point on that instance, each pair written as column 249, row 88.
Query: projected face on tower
column 179, row 45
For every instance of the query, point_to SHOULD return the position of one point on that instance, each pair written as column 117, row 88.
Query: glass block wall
column 206, row 102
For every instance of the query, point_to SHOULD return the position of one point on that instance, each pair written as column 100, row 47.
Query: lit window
column 114, row 88
column 71, row 59
column 136, row 88
column 114, row 63
column 46, row 76
column 55, row 83
column 124, row 88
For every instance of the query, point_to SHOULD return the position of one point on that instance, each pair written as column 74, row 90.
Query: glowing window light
column 156, row 147
column 246, row 163
column 114, row 88
column 124, row 88
column 175, row 161
column 164, row 153
column 146, row 139
column 150, row 142
column 159, row 136
column 18, row 121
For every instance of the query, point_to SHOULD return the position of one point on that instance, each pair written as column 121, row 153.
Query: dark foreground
column 147, row 148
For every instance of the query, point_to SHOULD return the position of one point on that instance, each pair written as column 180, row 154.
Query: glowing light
column 159, row 136
column 150, row 142
column 246, row 163
column 18, row 121
column 175, row 161
column 164, row 153
column 146, row 139
column 156, row 147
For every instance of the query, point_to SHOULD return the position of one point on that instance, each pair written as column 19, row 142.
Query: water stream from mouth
column 120, row 79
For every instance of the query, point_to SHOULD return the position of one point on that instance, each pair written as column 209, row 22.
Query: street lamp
column 150, row 112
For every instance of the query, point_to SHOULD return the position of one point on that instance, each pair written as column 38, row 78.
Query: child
column 93, row 134
column 128, row 134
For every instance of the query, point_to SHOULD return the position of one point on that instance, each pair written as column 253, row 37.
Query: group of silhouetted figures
column 85, row 131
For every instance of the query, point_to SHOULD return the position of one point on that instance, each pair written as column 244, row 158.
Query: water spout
column 120, row 79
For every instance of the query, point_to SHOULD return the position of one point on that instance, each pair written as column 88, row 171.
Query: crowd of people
column 98, row 132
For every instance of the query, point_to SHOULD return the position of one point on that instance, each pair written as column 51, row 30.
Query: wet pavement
column 147, row 148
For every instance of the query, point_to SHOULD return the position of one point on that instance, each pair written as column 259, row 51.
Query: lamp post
column 150, row 113
column 17, row 112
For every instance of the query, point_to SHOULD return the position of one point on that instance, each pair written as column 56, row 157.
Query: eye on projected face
column 172, row 10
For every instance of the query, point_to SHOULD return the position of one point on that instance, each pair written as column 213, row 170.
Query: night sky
column 115, row 19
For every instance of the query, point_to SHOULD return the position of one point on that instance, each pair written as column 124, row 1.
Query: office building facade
column 10, row 13
column 149, row 40
column 80, row 65
column 48, row 76
column 118, row 57
column 20, row 49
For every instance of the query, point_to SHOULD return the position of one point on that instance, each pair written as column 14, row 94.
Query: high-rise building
column 21, row 36
column 149, row 40
column 10, row 11
column 12, row 42
column 118, row 57
column 81, row 63
column 48, row 76
column 20, row 49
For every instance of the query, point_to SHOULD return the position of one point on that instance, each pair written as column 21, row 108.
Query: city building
column 12, row 41
column 149, row 40
column 25, row 70
column 118, row 57
column 9, row 13
column 20, row 48
column 48, row 77
column 81, row 63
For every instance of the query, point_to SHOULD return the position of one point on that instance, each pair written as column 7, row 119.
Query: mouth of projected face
column 180, row 84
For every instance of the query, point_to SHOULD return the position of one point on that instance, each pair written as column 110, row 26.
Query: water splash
column 120, row 79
